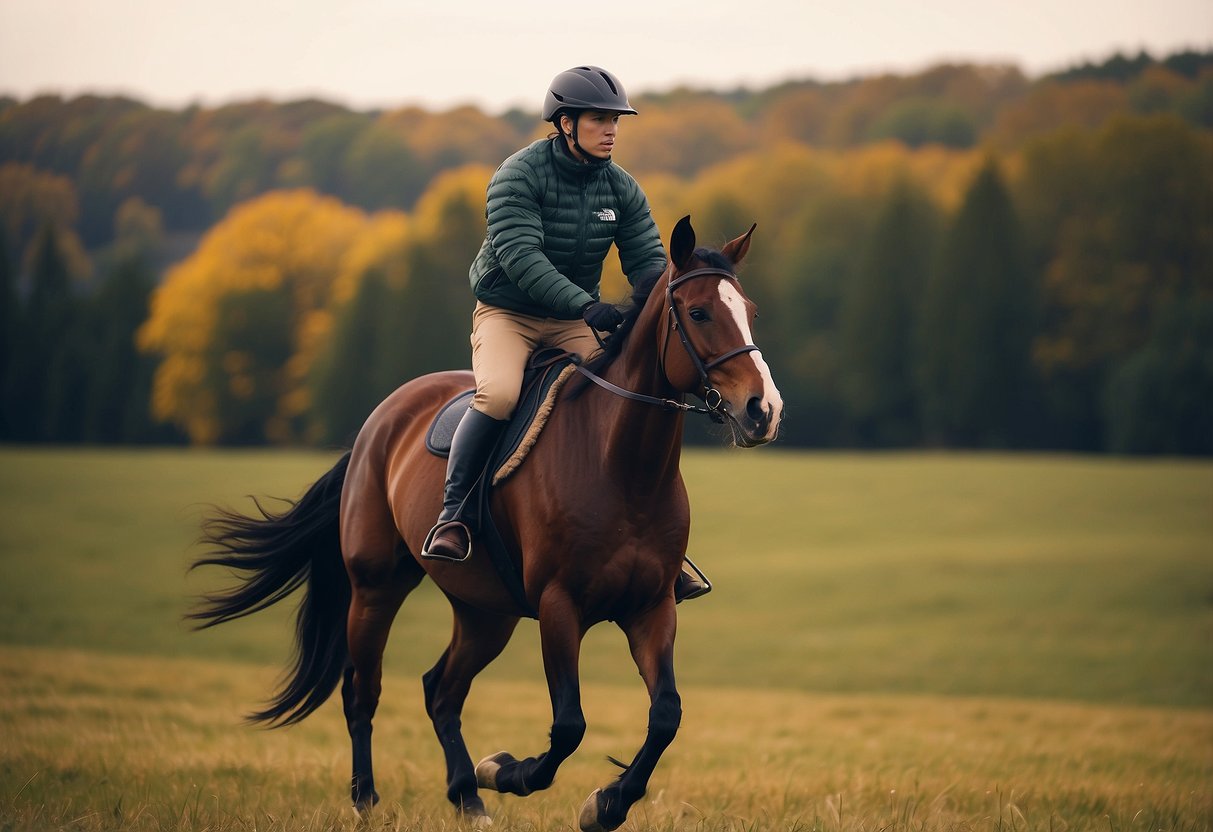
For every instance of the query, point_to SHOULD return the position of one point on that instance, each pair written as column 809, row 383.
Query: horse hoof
column 486, row 769
column 362, row 809
column 588, row 821
column 473, row 813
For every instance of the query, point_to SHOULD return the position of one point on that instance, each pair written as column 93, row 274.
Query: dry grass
column 95, row 743
column 897, row 643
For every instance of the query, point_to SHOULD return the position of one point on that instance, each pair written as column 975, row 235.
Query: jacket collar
column 572, row 168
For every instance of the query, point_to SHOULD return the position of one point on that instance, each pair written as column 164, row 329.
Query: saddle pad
column 524, row 433
column 535, row 404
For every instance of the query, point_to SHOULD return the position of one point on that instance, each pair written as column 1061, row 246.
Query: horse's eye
column 700, row 315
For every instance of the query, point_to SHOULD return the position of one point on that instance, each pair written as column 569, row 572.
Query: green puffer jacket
column 551, row 222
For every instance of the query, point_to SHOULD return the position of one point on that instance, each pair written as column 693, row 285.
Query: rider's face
column 596, row 130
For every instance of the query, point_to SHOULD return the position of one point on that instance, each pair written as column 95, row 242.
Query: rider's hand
column 604, row 317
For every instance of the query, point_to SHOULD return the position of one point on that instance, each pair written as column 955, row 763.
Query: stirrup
column 703, row 588
column 429, row 538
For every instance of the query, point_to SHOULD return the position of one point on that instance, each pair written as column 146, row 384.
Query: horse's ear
column 736, row 249
column 682, row 243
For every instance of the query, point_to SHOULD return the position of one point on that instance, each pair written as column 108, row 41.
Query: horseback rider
column 553, row 210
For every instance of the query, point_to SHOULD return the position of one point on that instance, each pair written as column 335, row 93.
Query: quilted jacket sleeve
column 515, row 230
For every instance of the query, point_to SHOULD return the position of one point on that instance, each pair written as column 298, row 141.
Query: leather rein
column 713, row 401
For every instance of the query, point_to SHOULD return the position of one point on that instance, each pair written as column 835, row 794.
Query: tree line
column 958, row 258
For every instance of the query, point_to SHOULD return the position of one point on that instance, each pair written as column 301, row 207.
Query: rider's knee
column 495, row 401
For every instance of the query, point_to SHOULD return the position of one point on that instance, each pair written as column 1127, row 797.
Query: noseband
column 712, row 399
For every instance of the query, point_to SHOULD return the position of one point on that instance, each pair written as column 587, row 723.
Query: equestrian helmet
column 585, row 88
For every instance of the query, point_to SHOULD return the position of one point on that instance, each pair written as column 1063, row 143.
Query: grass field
column 911, row 642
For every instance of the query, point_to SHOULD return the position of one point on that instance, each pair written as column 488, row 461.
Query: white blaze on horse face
column 771, row 402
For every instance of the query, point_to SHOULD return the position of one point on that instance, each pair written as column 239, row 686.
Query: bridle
column 713, row 401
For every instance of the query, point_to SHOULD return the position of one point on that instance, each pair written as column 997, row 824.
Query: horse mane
column 640, row 296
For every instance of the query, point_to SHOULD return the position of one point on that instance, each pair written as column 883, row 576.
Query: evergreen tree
column 431, row 320
column 1160, row 400
column 323, row 148
column 246, row 366
column 976, row 325
column 878, row 320
column 800, row 332
column 379, row 169
column 117, row 406
column 8, row 324
column 43, row 367
column 349, row 380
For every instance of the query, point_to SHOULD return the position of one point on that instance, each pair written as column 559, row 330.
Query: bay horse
column 596, row 520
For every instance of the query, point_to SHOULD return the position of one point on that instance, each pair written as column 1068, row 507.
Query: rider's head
column 586, row 100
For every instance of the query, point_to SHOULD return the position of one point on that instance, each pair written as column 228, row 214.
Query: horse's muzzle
column 757, row 425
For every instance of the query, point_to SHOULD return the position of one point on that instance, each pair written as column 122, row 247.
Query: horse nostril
column 755, row 410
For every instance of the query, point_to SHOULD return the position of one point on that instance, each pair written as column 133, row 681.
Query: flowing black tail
column 277, row 553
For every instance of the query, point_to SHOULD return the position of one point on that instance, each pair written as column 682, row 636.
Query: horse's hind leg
column 651, row 638
column 478, row 638
column 381, row 576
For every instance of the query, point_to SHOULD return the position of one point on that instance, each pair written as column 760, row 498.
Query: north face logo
column 605, row 214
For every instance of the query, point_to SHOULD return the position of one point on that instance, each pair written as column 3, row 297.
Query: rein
column 712, row 399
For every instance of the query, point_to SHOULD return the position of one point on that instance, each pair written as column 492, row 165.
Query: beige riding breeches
column 502, row 341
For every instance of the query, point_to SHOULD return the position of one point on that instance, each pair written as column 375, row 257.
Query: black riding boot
column 691, row 582
column 471, row 445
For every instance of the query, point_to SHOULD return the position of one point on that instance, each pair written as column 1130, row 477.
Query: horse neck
column 644, row 440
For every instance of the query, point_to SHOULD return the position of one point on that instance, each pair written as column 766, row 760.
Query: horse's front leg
column 561, row 632
column 651, row 637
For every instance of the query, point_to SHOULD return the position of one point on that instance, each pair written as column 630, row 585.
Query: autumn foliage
column 961, row 257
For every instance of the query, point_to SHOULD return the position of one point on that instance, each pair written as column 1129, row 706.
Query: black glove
column 604, row 317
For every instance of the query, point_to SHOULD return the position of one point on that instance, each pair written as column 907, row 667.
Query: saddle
column 547, row 371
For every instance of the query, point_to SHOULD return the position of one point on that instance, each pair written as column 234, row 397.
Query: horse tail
column 278, row 552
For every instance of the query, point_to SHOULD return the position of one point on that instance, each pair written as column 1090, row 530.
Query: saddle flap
column 442, row 429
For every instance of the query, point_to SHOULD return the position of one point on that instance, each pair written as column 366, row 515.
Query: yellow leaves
column 378, row 246
column 295, row 240
column 311, row 250
column 775, row 184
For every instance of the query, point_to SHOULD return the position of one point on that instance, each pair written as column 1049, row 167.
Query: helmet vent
column 609, row 83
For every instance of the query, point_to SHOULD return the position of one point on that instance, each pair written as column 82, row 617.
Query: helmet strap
column 572, row 139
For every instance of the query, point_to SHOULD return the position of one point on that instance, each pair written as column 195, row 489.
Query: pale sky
column 499, row 53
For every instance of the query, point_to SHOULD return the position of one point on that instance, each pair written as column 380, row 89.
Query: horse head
column 706, row 344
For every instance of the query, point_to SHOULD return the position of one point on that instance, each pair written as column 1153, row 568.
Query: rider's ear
column 682, row 243
column 736, row 249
